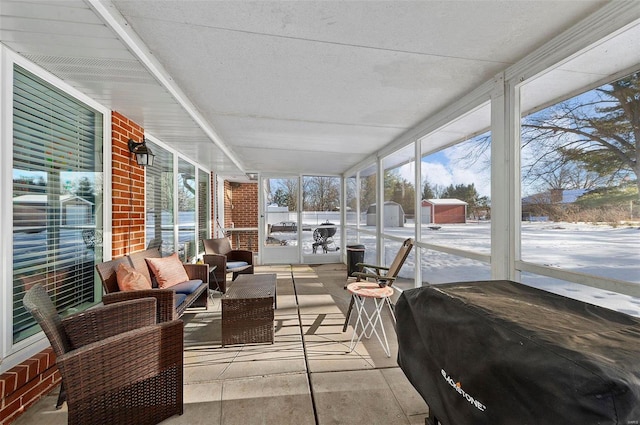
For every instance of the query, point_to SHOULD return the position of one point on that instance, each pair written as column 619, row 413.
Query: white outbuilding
column 393, row 215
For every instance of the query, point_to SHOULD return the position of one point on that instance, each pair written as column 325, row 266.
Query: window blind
column 159, row 194
column 186, row 192
column 57, row 168
column 203, row 208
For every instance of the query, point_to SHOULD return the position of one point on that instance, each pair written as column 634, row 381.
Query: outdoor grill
column 500, row 352
column 323, row 237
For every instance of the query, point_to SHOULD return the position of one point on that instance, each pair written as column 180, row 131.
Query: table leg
column 372, row 320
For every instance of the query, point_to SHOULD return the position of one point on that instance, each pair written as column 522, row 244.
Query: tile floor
column 308, row 376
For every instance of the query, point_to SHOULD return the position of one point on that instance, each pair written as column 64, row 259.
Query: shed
column 443, row 211
column 393, row 215
column 32, row 209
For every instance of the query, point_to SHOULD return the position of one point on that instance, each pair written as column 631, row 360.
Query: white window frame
column 12, row 354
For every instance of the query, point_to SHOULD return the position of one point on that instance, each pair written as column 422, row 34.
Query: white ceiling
column 280, row 87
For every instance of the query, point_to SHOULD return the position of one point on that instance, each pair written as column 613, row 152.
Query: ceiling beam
column 114, row 20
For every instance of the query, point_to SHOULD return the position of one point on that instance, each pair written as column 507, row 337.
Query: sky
column 447, row 167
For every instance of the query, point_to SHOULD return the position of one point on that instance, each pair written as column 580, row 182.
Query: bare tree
column 553, row 171
column 597, row 132
column 321, row 193
column 291, row 188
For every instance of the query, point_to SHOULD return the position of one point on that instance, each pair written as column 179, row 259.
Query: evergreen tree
column 468, row 194
column 427, row 191
column 280, row 198
column 85, row 190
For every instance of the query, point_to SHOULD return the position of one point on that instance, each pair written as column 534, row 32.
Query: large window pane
column 352, row 201
column 282, row 211
column 455, row 194
column 580, row 182
column 159, row 192
column 186, row 192
column 367, row 196
column 204, row 207
column 320, row 214
column 399, row 192
column 57, row 198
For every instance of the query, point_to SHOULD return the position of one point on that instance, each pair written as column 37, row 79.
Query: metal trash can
column 355, row 255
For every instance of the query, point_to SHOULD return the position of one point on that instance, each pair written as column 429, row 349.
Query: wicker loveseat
column 173, row 301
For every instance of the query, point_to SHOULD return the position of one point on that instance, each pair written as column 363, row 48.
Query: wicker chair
column 223, row 259
column 117, row 364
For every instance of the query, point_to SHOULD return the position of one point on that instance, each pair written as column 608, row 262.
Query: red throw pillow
column 168, row 271
column 129, row 279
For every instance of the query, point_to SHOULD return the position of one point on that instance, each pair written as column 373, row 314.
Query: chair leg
column 62, row 396
column 212, row 273
column 346, row 319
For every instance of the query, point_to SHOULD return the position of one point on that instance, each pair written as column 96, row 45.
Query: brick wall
column 27, row 382
column 241, row 209
column 245, row 205
column 128, row 188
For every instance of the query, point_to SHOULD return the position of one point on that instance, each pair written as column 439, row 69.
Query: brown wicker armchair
column 218, row 253
column 117, row 364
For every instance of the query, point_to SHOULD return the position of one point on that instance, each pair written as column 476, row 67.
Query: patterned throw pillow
column 168, row 271
column 129, row 279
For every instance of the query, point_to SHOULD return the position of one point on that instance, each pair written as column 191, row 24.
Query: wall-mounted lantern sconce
column 144, row 156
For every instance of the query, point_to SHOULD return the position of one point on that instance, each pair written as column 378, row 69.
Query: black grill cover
column 499, row 352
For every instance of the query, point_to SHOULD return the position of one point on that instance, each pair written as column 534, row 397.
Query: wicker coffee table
column 248, row 309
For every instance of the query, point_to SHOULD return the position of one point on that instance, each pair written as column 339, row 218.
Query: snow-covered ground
column 600, row 250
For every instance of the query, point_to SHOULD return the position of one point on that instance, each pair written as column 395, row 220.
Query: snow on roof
column 445, row 201
column 385, row 203
column 42, row 199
